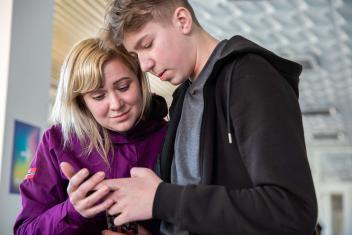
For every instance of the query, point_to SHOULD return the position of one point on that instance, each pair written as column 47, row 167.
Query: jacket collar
column 138, row 132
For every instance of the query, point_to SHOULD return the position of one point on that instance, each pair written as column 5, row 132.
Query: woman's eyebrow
column 121, row 80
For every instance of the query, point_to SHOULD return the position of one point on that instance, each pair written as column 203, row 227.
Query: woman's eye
column 98, row 97
column 123, row 88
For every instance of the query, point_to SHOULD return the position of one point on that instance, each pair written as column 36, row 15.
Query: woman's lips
column 121, row 116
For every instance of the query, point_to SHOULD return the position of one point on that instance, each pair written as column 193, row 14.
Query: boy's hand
column 80, row 185
column 133, row 196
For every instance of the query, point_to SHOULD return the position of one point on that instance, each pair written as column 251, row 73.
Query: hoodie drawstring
column 228, row 94
column 228, row 108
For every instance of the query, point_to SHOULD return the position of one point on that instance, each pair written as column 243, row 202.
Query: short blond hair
column 131, row 15
column 81, row 73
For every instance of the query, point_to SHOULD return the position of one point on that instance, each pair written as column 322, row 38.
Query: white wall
column 27, row 86
column 5, row 32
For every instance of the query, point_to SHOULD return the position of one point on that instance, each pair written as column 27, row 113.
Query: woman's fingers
column 77, row 180
column 94, row 198
column 67, row 169
column 86, row 198
column 84, row 187
column 90, row 203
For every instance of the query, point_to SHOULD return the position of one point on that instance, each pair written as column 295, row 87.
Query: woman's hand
column 80, row 191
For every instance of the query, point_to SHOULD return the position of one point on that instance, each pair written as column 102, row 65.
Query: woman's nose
column 116, row 102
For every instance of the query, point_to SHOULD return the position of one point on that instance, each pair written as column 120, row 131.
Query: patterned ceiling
column 316, row 33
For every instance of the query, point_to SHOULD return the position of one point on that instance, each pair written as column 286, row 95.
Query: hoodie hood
column 239, row 45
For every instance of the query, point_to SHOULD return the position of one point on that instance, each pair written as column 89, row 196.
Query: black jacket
column 261, row 182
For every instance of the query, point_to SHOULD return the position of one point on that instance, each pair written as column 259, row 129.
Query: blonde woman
column 105, row 121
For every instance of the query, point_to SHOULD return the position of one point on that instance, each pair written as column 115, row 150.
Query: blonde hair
column 131, row 15
column 81, row 73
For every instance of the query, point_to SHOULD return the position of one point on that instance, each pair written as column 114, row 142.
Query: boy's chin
column 176, row 82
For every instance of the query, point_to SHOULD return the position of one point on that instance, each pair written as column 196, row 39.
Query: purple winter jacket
column 46, row 208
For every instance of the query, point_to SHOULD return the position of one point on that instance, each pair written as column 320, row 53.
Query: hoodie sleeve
column 46, row 208
column 267, row 123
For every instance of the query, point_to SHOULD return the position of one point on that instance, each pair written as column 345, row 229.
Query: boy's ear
column 183, row 19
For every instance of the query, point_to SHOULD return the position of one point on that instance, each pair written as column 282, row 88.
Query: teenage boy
column 234, row 160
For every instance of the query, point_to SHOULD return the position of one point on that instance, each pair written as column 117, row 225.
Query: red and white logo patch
column 31, row 173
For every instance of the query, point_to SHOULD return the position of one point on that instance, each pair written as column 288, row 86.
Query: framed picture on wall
column 26, row 139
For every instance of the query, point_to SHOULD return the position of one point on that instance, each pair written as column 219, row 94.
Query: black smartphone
column 129, row 228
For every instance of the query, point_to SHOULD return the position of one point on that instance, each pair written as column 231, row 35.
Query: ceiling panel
column 316, row 33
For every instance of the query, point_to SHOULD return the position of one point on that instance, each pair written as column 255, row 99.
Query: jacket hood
column 239, row 45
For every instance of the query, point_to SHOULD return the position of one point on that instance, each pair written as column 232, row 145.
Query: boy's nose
column 147, row 64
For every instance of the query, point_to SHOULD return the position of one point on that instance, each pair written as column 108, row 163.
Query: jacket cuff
column 72, row 216
column 166, row 200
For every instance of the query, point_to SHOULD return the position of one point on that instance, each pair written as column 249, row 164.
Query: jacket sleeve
column 46, row 208
column 268, row 130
